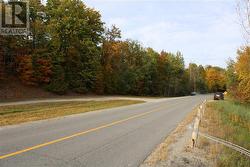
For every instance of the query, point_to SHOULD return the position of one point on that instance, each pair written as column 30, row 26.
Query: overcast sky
column 205, row 31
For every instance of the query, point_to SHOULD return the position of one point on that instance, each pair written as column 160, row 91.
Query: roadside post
column 197, row 120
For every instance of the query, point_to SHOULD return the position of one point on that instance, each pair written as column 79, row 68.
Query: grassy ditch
column 10, row 115
column 230, row 121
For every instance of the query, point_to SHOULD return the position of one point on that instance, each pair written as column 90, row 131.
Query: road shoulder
column 177, row 150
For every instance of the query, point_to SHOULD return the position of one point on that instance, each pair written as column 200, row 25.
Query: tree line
column 70, row 49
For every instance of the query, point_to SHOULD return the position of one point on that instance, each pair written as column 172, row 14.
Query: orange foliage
column 25, row 69
column 43, row 70
column 32, row 73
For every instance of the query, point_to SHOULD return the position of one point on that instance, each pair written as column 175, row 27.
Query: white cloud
column 208, row 45
column 206, row 33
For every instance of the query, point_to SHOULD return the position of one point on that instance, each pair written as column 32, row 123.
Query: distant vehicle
column 193, row 93
column 218, row 96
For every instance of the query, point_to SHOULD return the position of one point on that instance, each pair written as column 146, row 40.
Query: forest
column 69, row 48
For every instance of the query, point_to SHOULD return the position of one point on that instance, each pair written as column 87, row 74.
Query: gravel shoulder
column 177, row 150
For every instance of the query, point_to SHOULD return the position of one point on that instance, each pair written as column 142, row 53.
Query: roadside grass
column 230, row 121
column 16, row 114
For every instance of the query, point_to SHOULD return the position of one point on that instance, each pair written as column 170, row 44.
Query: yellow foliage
column 215, row 79
column 242, row 68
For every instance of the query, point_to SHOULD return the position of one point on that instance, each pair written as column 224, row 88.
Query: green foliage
column 232, row 159
column 112, row 34
column 70, row 50
column 170, row 73
column 231, row 75
column 131, row 69
column 197, row 81
column 58, row 83
column 76, row 32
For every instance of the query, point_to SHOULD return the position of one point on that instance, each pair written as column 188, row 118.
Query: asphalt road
column 117, row 137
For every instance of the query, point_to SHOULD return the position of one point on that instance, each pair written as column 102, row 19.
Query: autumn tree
column 110, row 60
column 75, row 33
column 112, row 34
column 68, row 48
column 215, row 79
column 170, row 70
column 232, row 78
column 242, row 69
column 123, row 65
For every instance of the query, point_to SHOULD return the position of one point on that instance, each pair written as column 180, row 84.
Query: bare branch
column 243, row 10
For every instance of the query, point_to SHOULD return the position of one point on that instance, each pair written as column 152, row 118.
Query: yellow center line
column 77, row 134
